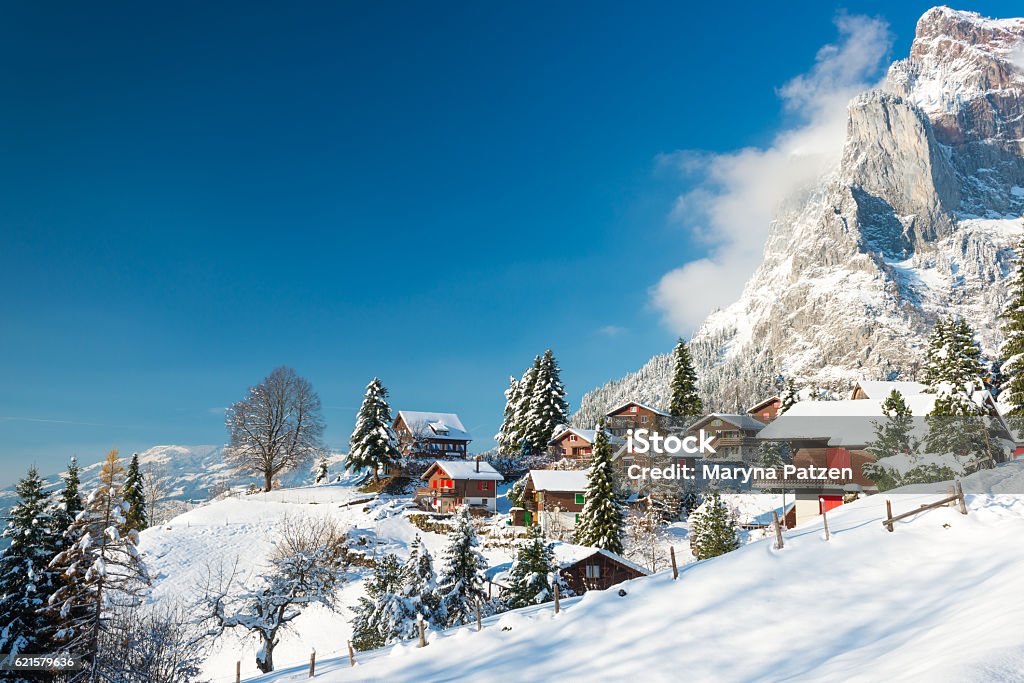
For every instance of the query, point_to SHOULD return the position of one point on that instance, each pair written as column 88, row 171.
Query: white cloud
column 737, row 194
column 611, row 330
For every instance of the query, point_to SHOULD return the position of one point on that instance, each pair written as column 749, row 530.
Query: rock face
column 920, row 218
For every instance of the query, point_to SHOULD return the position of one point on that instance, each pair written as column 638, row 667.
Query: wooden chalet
column 430, row 435
column 635, row 415
column 767, row 410
column 454, row 483
column 578, row 444
column 585, row 569
column 553, row 499
column 734, row 436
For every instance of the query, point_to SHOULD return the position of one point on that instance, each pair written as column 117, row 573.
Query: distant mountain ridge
column 920, row 218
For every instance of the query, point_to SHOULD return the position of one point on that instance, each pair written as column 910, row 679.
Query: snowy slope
column 938, row 600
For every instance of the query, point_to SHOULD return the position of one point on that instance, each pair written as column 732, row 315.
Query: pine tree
column 508, row 437
column 548, row 407
column 26, row 579
column 135, row 496
column 790, row 396
column 373, row 443
column 460, row 584
column 1012, row 351
column 70, row 502
column 893, row 437
column 602, row 521
column 383, row 615
column 421, row 583
column 320, row 477
column 531, row 572
column 685, row 399
column 524, row 408
column 101, row 568
column 713, row 529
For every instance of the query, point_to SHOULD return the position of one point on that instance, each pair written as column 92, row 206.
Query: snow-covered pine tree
column 531, row 573
column 937, row 365
column 101, row 568
column 420, row 584
column 70, row 499
column 460, row 583
column 1012, row 351
column 384, row 615
column 602, row 521
column 373, row 444
column 548, row 407
column 135, row 496
column 321, row 474
column 26, row 579
column 713, row 528
column 893, row 437
column 508, row 437
column 790, row 395
column 524, row 408
column 685, row 399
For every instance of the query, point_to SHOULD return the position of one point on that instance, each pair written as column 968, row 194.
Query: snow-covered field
column 937, row 600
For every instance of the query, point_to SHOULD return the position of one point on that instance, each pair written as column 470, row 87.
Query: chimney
column 477, row 458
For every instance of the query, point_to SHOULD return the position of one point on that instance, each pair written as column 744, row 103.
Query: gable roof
column 463, row 469
column 881, row 390
column 568, row 554
column 743, row 421
column 441, row 425
column 587, row 435
column 638, row 403
column 763, row 404
column 559, row 480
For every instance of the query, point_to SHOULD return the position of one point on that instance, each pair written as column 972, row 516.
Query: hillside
column 929, row 602
column 919, row 217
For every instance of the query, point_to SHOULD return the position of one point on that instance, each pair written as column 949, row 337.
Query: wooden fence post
column 888, row 514
column 778, row 531
column 960, row 497
column 558, row 605
column 479, row 623
column 312, row 663
column 351, row 655
column 238, row 672
column 675, row 567
column 423, row 635
column 824, row 519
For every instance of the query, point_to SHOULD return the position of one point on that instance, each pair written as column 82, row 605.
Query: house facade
column 734, row 436
column 578, row 444
column 586, row 569
column 451, row 484
column 554, row 499
column 767, row 410
column 430, row 435
column 634, row 415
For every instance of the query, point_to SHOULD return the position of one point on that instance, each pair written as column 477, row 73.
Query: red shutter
column 837, row 457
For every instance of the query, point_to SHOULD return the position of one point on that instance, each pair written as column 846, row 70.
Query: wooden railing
column 957, row 497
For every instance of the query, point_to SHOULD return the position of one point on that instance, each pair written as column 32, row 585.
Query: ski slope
column 939, row 599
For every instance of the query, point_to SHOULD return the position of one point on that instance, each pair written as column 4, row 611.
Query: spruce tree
column 602, row 521
column 508, row 437
column 531, row 572
column 713, row 529
column 460, row 584
column 420, row 583
column 383, row 615
column 524, row 408
column 320, row 476
column 70, row 497
column 685, row 399
column 1012, row 351
column 135, row 496
column 373, row 443
column 26, row 579
column 548, row 407
column 938, row 368
column 101, row 568
column 790, row 396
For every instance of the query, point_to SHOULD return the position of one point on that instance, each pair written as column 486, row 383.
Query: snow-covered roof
column 465, row 469
column 742, row 421
column 843, row 423
column 443, row 425
column 567, row 553
column 559, row 480
column 641, row 405
column 881, row 390
column 758, row 406
column 587, row 435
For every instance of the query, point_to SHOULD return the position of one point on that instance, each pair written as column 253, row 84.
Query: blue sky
column 194, row 193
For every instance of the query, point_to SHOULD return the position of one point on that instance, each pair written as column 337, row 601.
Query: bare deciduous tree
column 156, row 486
column 276, row 428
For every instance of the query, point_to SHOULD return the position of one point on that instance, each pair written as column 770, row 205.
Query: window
column 577, row 520
column 716, row 423
column 572, row 437
column 632, row 409
column 593, row 571
column 485, row 485
column 579, row 499
column 643, row 419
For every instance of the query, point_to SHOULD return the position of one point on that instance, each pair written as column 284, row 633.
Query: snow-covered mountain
column 919, row 218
